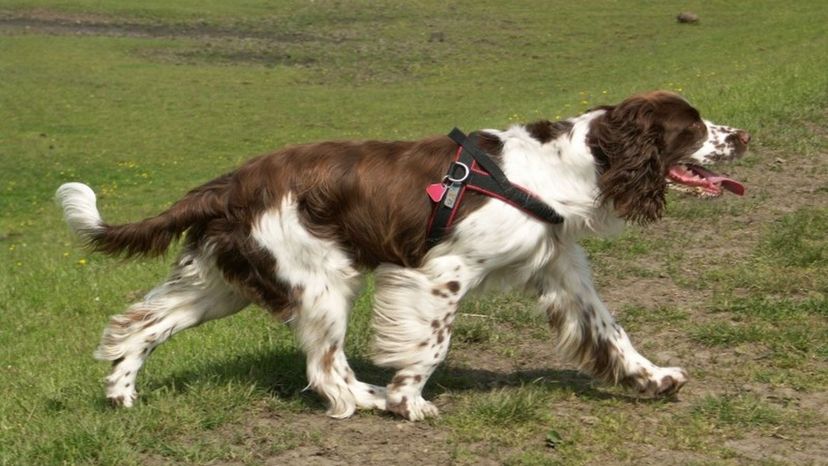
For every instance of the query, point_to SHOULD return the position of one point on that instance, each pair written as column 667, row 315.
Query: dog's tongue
column 694, row 175
column 727, row 183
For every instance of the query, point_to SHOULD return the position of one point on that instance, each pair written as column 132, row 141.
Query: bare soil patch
column 60, row 23
column 371, row 440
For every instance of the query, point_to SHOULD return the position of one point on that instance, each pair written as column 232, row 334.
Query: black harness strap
column 474, row 169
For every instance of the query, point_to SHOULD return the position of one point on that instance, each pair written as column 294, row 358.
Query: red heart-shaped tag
column 436, row 191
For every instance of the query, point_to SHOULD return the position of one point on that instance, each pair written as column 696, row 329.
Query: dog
column 294, row 230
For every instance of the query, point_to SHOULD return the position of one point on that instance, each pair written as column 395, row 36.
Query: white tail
column 80, row 209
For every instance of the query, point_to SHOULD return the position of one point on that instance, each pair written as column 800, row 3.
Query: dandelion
column 65, row 254
column 81, row 261
column 19, row 264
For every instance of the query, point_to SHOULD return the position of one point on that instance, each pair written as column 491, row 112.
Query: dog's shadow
column 282, row 373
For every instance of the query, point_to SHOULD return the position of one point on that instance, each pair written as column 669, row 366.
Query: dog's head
column 649, row 138
column 723, row 144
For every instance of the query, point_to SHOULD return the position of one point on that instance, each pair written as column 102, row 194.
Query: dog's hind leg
column 414, row 314
column 320, row 325
column 322, row 282
column 195, row 292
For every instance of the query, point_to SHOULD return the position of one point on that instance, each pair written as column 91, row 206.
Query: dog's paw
column 665, row 381
column 125, row 399
column 120, row 393
column 414, row 409
column 657, row 382
column 369, row 396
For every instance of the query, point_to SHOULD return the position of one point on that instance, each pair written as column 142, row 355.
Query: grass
column 798, row 239
column 198, row 87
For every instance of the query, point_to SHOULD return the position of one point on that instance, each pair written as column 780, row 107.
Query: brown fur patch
column 342, row 194
column 634, row 144
column 328, row 358
column 400, row 408
column 555, row 317
column 544, row 130
column 398, row 381
column 138, row 315
column 594, row 354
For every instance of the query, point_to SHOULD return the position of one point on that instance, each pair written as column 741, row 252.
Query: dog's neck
column 535, row 164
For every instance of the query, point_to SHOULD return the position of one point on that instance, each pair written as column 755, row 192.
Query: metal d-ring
column 462, row 178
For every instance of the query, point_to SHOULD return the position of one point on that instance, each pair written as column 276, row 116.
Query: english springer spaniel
column 294, row 231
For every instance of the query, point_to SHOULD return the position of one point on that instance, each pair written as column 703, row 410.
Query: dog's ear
column 628, row 142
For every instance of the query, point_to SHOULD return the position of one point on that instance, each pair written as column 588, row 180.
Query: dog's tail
column 149, row 237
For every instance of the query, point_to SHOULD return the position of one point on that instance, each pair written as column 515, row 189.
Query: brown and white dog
column 294, row 230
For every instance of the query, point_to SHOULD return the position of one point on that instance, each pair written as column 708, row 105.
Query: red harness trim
column 478, row 172
column 474, row 168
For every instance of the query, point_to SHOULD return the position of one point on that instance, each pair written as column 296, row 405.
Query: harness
column 474, row 170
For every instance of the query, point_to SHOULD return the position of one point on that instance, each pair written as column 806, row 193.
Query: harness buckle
column 450, row 178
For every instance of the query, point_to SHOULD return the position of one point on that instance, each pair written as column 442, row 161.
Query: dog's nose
column 744, row 137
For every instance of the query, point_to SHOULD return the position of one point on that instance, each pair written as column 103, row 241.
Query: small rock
column 687, row 17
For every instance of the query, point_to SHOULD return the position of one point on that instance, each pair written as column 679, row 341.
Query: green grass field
column 144, row 100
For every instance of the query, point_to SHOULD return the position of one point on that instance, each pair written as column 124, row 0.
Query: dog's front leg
column 414, row 313
column 589, row 336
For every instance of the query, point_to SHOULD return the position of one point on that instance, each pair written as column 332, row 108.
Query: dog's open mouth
column 703, row 182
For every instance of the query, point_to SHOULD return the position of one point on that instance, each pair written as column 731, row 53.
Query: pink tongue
column 731, row 185
column 727, row 183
